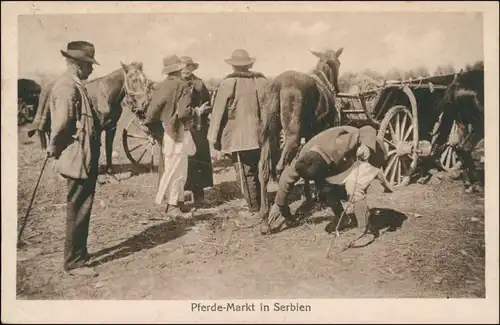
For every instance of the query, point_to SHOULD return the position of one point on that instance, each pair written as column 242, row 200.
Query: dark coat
column 200, row 172
column 338, row 145
column 170, row 106
column 237, row 113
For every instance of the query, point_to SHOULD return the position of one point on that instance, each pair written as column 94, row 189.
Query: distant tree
column 345, row 81
column 410, row 74
column 444, row 69
column 478, row 65
column 394, row 74
column 373, row 74
column 422, row 71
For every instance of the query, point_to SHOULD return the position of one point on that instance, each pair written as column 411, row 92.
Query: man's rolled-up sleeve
column 156, row 104
column 286, row 183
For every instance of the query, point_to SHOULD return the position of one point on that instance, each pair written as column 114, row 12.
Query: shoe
column 83, row 271
column 174, row 212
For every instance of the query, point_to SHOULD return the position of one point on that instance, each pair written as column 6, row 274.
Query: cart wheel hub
column 404, row 148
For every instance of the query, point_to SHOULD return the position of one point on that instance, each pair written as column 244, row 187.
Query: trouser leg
column 358, row 206
column 80, row 199
column 333, row 195
column 161, row 166
column 249, row 175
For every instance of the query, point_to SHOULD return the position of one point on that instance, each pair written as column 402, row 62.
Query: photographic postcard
column 221, row 162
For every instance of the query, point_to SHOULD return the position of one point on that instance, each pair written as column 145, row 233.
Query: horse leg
column 469, row 176
column 264, row 204
column 110, row 137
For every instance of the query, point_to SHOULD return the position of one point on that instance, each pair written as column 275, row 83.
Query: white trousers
column 176, row 168
column 358, row 181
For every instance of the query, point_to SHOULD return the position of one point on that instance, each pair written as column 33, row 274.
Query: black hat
column 80, row 50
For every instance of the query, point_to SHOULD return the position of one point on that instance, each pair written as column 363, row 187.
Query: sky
column 279, row 41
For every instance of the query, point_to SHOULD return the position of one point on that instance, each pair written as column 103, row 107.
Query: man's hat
column 189, row 61
column 240, row 58
column 368, row 137
column 172, row 63
column 80, row 50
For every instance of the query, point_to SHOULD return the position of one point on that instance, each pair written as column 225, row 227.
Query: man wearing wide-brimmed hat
column 66, row 112
column 200, row 173
column 236, row 123
column 342, row 161
column 169, row 117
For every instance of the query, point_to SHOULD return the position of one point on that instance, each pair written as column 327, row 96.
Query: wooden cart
column 405, row 115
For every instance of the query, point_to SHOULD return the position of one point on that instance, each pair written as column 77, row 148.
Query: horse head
column 329, row 64
column 138, row 87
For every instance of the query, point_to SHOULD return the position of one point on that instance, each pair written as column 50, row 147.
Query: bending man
column 347, row 158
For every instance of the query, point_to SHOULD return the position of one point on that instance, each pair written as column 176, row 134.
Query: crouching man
column 343, row 161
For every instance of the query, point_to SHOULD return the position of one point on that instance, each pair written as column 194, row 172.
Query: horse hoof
column 265, row 228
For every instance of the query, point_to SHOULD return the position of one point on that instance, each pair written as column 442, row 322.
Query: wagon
column 405, row 113
column 28, row 92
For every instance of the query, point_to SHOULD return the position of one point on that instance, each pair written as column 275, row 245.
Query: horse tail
column 270, row 137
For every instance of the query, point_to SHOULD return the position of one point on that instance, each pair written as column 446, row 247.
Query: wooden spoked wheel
column 400, row 136
column 449, row 158
column 139, row 145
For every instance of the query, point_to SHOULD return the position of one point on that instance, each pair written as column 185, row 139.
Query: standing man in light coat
column 75, row 144
column 235, row 126
column 169, row 116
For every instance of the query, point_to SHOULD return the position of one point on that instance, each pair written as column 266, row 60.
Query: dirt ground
column 432, row 244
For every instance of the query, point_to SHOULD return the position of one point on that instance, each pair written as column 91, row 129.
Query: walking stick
column 31, row 203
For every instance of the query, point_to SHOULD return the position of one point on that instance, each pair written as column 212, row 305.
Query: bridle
column 325, row 85
column 129, row 93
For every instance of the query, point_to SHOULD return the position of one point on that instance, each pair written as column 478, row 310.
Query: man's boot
column 176, row 211
column 367, row 232
column 199, row 198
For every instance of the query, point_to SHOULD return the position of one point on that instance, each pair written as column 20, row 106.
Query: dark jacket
column 200, row 164
column 170, row 105
column 237, row 113
column 338, row 145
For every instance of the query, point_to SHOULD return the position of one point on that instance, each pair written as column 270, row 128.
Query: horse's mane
column 135, row 64
column 105, row 77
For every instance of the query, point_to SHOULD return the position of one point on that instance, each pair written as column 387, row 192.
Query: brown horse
column 463, row 104
column 300, row 106
column 125, row 87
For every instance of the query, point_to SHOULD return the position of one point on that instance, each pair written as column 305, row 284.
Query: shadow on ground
column 129, row 168
column 151, row 237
